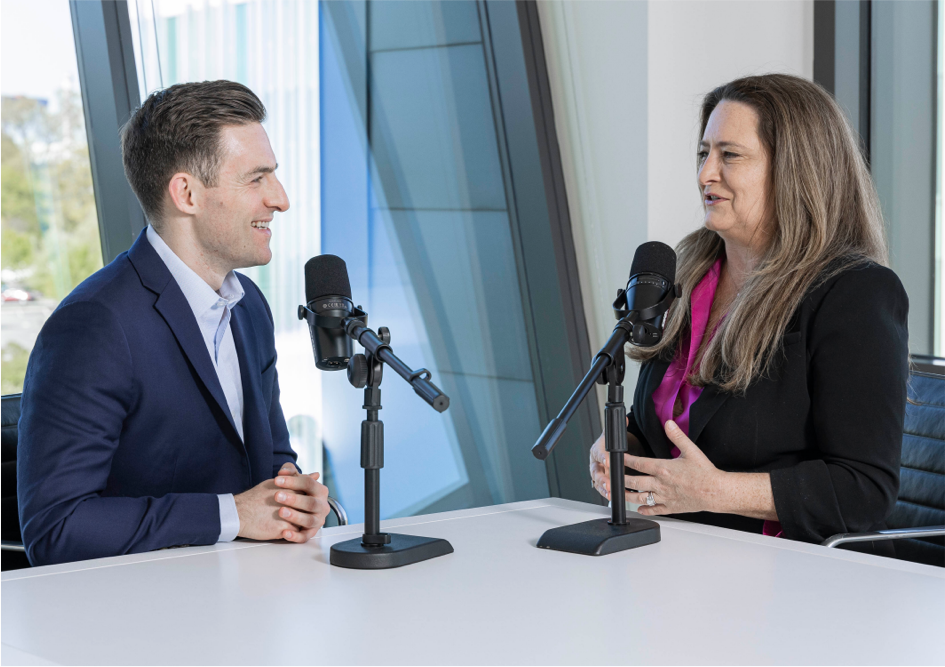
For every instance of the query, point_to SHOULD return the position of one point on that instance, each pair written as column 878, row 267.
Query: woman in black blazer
column 775, row 402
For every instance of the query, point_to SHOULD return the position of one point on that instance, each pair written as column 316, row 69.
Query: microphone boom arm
column 613, row 347
column 623, row 333
column 419, row 380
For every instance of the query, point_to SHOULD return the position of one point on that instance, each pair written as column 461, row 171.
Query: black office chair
column 13, row 554
column 918, row 520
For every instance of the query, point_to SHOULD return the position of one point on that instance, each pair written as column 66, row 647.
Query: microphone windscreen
column 326, row 275
column 655, row 257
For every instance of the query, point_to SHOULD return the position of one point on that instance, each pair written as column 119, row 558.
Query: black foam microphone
column 649, row 292
column 328, row 295
column 334, row 322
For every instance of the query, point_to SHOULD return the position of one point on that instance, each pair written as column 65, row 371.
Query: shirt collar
column 198, row 293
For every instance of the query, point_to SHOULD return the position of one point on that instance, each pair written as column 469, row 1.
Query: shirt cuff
column 229, row 518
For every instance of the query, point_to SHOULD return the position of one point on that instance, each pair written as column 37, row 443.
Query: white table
column 702, row 595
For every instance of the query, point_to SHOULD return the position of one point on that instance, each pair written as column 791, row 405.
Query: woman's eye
column 729, row 154
column 702, row 155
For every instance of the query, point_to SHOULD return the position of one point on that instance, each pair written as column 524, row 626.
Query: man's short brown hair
column 178, row 129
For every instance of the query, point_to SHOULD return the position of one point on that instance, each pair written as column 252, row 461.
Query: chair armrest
column 12, row 546
column 895, row 534
column 339, row 511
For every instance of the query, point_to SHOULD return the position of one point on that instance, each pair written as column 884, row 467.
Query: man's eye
column 258, row 179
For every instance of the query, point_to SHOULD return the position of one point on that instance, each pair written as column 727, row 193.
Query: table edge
column 526, row 505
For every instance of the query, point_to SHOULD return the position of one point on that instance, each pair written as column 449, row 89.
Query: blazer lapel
column 173, row 307
column 708, row 403
column 257, row 436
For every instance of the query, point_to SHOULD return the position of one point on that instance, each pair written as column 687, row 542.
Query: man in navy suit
column 150, row 409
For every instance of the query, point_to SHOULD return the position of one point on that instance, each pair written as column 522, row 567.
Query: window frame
column 845, row 63
column 110, row 93
column 108, row 81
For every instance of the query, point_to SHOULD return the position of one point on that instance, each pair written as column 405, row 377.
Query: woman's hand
column 600, row 467
column 689, row 483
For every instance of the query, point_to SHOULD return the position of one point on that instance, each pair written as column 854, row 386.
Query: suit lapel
column 708, row 403
column 176, row 312
column 173, row 307
column 257, row 436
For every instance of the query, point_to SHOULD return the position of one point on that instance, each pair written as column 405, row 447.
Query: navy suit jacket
column 125, row 438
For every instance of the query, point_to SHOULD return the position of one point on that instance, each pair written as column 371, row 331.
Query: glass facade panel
column 405, row 179
column 441, row 249
column 940, row 190
column 272, row 47
column 50, row 234
column 905, row 66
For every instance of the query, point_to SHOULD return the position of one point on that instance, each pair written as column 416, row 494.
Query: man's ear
column 186, row 192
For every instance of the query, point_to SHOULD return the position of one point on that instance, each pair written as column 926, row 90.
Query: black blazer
column 826, row 423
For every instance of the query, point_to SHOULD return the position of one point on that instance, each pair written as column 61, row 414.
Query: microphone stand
column 376, row 550
column 600, row 537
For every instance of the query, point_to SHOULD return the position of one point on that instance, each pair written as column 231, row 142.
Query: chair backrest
column 9, row 416
column 9, row 518
column 922, row 474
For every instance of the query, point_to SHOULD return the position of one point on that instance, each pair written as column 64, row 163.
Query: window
column 387, row 123
column 883, row 61
column 414, row 198
column 940, row 191
column 271, row 47
column 50, row 233
column 905, row 72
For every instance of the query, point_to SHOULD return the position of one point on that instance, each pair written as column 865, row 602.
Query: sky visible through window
column 32, row 75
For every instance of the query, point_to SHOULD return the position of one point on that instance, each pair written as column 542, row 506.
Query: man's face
column 232, row 228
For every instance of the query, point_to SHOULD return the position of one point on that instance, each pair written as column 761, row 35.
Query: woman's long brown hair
column 825, row 217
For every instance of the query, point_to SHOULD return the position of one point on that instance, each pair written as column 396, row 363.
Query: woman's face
column 734, row 175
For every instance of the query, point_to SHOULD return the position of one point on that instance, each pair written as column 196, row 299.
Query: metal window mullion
column 109, row 83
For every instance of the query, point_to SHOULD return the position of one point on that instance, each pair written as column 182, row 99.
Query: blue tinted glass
column 406, row 181
column 415, row 200
column 411, row 25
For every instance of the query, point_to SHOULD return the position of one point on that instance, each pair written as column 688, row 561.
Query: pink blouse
column 675, row 384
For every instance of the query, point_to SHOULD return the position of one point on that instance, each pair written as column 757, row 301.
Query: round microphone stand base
column 600, row 537
column 402, row 550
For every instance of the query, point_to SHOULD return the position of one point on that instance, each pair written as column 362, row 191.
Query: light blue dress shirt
column 213, row 311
